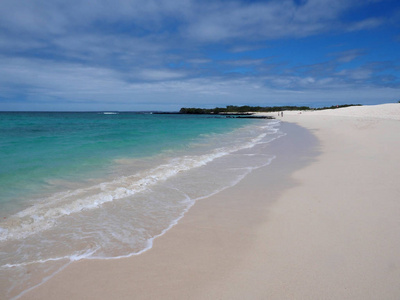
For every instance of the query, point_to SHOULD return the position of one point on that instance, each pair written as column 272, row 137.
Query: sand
column 326, row 225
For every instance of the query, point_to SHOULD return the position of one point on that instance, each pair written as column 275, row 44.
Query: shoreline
column 324, row 226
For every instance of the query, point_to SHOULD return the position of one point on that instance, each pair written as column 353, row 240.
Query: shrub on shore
column 246, row 108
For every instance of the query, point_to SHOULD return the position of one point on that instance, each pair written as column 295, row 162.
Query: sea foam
column 122, row 216
column 44, row 215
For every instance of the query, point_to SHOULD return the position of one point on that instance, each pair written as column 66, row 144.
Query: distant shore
column 251, row 110
column 320, row 222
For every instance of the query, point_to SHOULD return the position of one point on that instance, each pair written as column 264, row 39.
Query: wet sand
column 320, row 222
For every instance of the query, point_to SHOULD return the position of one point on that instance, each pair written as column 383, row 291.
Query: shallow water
column 89, row 185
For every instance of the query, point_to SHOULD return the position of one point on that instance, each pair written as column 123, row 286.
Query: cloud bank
column 146, row 55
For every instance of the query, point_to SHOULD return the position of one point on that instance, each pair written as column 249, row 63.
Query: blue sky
column 163, row 55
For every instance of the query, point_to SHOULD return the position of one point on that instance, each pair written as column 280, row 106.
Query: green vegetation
column 245, row 109
column 337, row 106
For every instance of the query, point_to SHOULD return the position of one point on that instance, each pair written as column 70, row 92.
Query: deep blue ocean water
column 105, row 185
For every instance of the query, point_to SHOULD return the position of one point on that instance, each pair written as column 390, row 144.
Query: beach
column 325, row 226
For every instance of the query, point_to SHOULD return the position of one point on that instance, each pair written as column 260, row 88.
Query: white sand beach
column 326, row 226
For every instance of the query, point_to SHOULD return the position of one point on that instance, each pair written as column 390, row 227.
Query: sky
column 135, row 55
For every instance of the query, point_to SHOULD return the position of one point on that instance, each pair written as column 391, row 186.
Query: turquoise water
column 94, row 185
column 38, row 148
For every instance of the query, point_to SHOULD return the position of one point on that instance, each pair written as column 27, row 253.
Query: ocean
column 104, row 185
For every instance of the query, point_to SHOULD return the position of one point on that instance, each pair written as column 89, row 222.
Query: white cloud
column 159, row 75
column 58, row 16
column 128, row 51
column 348, row 55
column 197, row 20
column 356, row 74
column 244, row 62
column 199, row 61
column 269, row 20
column 38, row 78
column 84, row 87
column 365, row 24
